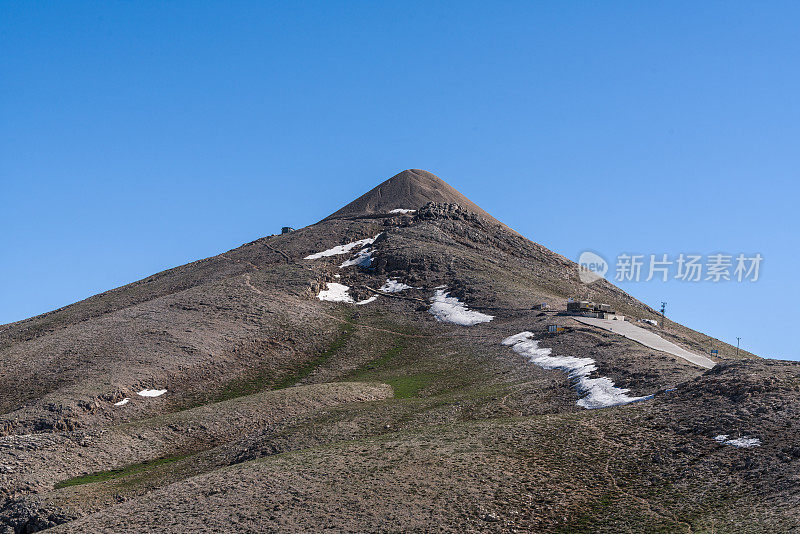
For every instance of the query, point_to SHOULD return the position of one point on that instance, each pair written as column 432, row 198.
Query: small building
column 580, row 306
column 287, row 230
column 588, row 308
column 542, row 306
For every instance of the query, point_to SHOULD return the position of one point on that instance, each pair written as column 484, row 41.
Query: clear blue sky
column 137, row 136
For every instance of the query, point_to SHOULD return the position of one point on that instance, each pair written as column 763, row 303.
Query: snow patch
column 342, row 249
column 449, row 310
column 335, row 293
column 361, row 259
column 123, row 402
column 597, row 392
column 744, row 442
column 373, row 298
column 151, row 392
column 393, row 286
column 402, row 210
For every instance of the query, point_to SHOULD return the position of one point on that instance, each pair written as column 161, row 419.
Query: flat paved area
column 646, row 338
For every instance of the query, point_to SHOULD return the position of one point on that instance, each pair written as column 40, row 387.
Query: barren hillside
column 383, row 370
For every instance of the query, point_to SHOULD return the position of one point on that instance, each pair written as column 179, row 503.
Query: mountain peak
column 410, row 189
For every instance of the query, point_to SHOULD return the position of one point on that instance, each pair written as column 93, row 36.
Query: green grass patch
column 402, row 368
column 379, row 363
column 299, row 374
column 119, row 473
column 245, row 386
column 408, row 386
column 405, row 386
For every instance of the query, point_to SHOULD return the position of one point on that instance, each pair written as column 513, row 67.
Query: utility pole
column 737, row 346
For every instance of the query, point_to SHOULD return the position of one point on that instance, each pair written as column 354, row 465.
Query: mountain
column 384, row 369
column 412, row 187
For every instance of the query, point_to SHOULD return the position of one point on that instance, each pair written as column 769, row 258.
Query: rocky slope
column 283, row 411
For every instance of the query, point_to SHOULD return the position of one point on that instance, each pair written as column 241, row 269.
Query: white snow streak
column 361, row 259
column 123, row 402
column 342, row 249
column 402, row 210
column 335, row 293
column 744, row 442
column 393, row 286
column 598, row 392
column 450, row 310
column 373, row 298
column 151, row 392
